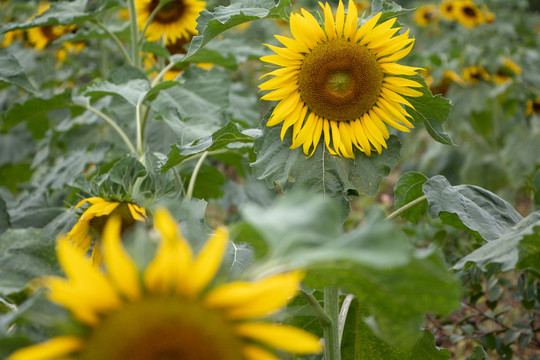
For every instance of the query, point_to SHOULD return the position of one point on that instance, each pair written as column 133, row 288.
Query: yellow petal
column 361, row 137
column 346, row 142
column 120, row 267
column 367, row 26
column 282, row 337
column 135, row 212
column 398, row 81
column 92, row 200
column 329, row 24
column 395, row 56
column 340, row 19
column 311, row 27
column 398, row 69
column 378, row 31
column 207, row 263
column 294, row 45
column 52, row 349
column 392, row 96
column 252, row 352
column 403, row 90
column 352, row 21
column 336, row 138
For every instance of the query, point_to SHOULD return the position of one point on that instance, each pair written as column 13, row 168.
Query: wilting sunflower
column 447, row 9
column 473, row 74
column 168, row 311
column 467, row 13
column 340, row 80
column 449, row 78
column 533, row 107
column 175, row 20
column 41, row 36
column 93, row 219
column 426, row 15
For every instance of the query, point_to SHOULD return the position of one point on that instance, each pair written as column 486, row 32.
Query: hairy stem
column 406, row 207
column 114, row 126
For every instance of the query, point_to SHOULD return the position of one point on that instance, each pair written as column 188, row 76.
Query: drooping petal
column 57, row 347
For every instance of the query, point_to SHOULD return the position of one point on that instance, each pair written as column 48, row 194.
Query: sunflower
column 533, row 107
column 447, row 9
column 426, row 15
column 340, row 80
column 506, row 71
column 449, row 78
column 168, row 312
column 68, row 49
column 489, row 17
column 93, row 220
column 10, row 37
column 473, row 74
column 41, row 36
column 175, row 20
column 467, row 13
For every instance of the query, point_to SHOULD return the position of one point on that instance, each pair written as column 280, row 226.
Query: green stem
column 343, row 315
column 191, row 186
column 103, row 64
column 146, row 110
column 163, row 71
column 322, row 316
column 332, row 349
column 116, row 40
column 140, row 145
column 114, row 126
column 135, row 51
column 406, row 207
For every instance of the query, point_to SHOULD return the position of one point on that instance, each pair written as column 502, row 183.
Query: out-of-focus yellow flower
column 449, row 77
column 467, row 13
column 508, row 70
column 489, row 17
column 169, row 310
column 69, row 48
column 473, row 74
column 41, row 36
column 11, row 37
column 533, row 107
column 447, row 9
column 426, row 14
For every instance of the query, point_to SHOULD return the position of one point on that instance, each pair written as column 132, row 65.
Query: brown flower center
column 340, row 80
column 48, row 32
column 470, row 12
column 169, row 13
column 162, row 328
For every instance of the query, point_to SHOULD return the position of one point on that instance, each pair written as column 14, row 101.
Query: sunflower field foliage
column 269, row 179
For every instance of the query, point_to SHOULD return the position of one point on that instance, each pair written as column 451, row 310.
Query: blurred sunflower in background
column 41, row 36
column 92, row 221
column 467, row 13
column 340, row 80
column 533, row 107
column 167, row 311
column 11, row 37
column 506, row 71
column 175, row 20
column 447, row 9
column 449, row 77
column 474, row 74
column 426, row 14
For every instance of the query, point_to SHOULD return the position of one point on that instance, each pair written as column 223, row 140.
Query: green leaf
column 517, row 248
column 156, row 49
column 479, row 210
column 34, row 113
column 430, row 110
column 478, row 353
column 211, row 24
column 334, row 176
column 11, row 72
column 130, row 91
column 360, row 343
column 219, row 140
column 206, row 55
column 407, row 189
column 197, row 108
column 389, row 9
column 374, row 262
column 62, row 13
column 125, row 171
column 25, row 254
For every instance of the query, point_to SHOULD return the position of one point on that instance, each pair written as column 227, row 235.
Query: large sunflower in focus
column 175, row 20
column 342, row 81
column 168, row 312
column 93, row 219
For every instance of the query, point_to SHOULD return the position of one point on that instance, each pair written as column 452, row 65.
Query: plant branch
column 343, row 315
column 191, row 186
column 114, row 126
column 332, row 350
column 116, row 40
column 322, row 316
column 135, row 51
column 406, row 207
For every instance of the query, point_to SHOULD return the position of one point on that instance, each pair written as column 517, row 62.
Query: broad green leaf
column 12, row 73
column 389, row 9
column 478, row 353
column 197, row 108
column 360, row 343
column 63, row 13
column 15, row 146
column 24, row 255
column 334, row 176
column 156, row 49
column 34, row 113
column 407, row 189
column 208, row 184
column 479, row 210
column 4, row 216
column 516, row 248
column 222, row 18
column 374, row 262
column 207, row 55
column 430, row 110
column 130, row 91
column 219, row 140
column 126, row 171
